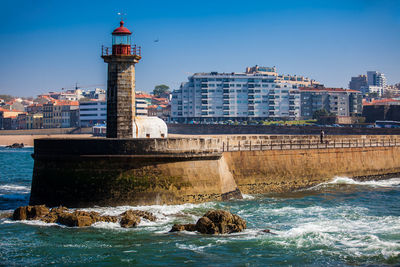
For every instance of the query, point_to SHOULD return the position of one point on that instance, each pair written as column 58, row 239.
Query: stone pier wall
column 110, row 172
column 286, row 170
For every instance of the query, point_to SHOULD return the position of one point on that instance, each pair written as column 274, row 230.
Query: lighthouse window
column 121, row 39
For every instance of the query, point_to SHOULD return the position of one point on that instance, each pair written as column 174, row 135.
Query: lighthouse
column 121, row 116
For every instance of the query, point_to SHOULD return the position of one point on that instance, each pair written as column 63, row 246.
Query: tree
column 160, row 89
column 6, row 98
column 320, row 113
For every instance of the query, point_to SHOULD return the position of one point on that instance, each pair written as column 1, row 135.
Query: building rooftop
column 312, row 89
column 386, row 101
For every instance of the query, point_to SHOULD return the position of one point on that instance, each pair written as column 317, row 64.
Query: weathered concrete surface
column 110, row 172
column 287, row 170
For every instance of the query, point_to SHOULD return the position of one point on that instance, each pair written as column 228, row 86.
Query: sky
column 47, row 45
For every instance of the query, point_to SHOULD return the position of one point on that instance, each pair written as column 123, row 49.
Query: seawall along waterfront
column 290, row 169
column 111, row 172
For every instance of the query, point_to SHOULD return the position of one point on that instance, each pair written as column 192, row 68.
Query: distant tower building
column 357, row 82
column 121, row 119
column 121, row 83
column 376, row 79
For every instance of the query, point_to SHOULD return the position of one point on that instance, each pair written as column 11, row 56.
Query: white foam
column 193, row 247
column 165, row 213
column 15, row 188
column 32, row 222
column 245, row 196
column 346, row 180
column 106, row 225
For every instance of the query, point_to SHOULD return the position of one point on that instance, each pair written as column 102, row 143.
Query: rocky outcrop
column 214, row 222
column 30, row 212
column 183, row 227
column 16, row 145
column 129, row 219
column 64, row 216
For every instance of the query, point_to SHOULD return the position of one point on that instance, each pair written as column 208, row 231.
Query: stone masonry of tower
column 120, row 95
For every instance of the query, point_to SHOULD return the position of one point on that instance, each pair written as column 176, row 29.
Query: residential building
column 146, row 97
column 8, row 119
column 92, row 112
column 21, row 121
column 57, row 114
column 97, row 93
column 376, row 78
column 358, row 82
column 141, row 107
column 161, row 111
column 34, row 121
column 34, row 108
column 259, row 93
column 337, row 101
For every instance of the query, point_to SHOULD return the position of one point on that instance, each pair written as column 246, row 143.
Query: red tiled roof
column 143, row 96
column 9, row 110
column 381, row 102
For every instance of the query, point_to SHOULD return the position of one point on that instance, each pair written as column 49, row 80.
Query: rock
column 15, row 145
column 129, row 219
column 205, row 226
column 53, row 215
column 108, row 219
column 4, row 215
column 183, row 227
column 75, row 219
column 214, row 222
column 36, row 212
column 220, row 222
column 20, row 214
column 50, row 218
column 30, row 212
column 78, row 218
column 83, row 218
column 144, row 214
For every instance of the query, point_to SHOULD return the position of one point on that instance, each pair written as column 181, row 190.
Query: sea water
column 339, row 223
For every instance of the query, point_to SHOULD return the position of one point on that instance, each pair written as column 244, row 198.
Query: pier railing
column 306, row 144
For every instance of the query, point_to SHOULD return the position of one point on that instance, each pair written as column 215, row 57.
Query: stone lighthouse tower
column 121, row 61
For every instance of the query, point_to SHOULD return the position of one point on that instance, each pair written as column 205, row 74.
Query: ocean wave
column 14, row 188
column 33, row 222
column 352, row 237
column 193, row 247
column 349, row 181
column 163, row 213
column 245, row 196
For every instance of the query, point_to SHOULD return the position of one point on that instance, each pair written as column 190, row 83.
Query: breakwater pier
column 111, row 172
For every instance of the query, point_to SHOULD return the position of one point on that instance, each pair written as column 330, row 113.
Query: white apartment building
column 376, row 83
column 141, row 107
column 259, row 93
column 95, row 111
column 92, row 112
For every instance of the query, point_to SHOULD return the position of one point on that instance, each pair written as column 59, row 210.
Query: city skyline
column 53, row 45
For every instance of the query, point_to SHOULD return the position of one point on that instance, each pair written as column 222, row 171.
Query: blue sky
column 48, row 45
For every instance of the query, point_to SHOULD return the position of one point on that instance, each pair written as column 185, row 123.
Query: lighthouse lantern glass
column 121, row 40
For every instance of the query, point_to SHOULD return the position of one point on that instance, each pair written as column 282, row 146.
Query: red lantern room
column 121, row 40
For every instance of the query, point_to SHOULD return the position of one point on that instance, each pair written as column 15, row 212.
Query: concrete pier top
column 128, row 146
